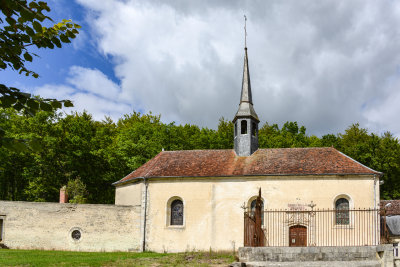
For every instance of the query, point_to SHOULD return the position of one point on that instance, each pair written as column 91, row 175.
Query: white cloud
column 323, row 64
column 93, row 81
column 90, row 90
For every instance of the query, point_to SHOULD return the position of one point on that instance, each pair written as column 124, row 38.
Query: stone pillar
column 63, row 195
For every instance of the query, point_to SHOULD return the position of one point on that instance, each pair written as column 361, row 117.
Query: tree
column 291, row 135
column 76, row 190
column 23, row 30
column 224, row 135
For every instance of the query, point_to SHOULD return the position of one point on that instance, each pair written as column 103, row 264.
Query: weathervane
column 245, row 32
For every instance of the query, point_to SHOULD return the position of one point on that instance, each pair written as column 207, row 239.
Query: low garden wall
column 78, row 227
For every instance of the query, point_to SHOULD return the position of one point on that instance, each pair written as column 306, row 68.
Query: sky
column 325, row 64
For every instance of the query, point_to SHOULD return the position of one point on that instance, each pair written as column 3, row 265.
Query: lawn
column 9, row 257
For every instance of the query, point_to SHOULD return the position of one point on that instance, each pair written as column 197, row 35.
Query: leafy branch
column 21, row 29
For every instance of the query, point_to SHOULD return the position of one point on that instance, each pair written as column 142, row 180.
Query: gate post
column 253, row 232
column 259, row 234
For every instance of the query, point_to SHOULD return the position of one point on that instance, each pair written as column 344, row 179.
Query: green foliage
column 22, row 28
column 224, row 135
column 291, row 135
column 94, row 154
column 76, row 191
column 26, row 103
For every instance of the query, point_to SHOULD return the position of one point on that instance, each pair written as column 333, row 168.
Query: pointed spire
column 245, row 32
column 246, row 119
column 246, row 108
column 246, row 85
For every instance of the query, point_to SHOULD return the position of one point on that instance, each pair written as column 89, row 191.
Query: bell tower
column 246, row 119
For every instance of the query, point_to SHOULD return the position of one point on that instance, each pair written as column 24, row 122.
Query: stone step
column 307, row 254
column 366, row 263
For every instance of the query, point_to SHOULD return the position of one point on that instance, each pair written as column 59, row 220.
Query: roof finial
column 245, row 32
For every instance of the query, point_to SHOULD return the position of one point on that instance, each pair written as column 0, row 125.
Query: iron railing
column 321, row 227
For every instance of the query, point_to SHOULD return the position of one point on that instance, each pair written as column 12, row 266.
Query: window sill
column 344, row 226
column 175, row 226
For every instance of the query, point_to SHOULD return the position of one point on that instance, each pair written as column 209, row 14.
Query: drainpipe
column 375, row 191
column 145, row 214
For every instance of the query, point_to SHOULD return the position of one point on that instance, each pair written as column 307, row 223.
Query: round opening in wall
column 76, row 235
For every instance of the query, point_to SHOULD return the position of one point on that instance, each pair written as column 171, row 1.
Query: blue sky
column 324, row 64
column 53, row 65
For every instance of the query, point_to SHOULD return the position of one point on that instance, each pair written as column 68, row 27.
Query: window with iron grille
column 342, row 211
column 253, row 210
column 177, row 212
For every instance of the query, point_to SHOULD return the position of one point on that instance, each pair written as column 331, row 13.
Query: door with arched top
column 297, row 236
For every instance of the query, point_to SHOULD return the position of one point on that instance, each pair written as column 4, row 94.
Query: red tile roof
column 276, row 161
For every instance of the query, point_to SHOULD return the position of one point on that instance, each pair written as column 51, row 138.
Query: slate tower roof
column 246, row 108
column 246, row 119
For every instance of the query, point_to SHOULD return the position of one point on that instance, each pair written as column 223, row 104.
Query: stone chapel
column 197, row 200
column 191, row 200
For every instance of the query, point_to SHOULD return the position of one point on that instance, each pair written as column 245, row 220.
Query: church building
column 197, row 200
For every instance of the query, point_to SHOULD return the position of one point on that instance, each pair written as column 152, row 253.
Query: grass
column 9, row 257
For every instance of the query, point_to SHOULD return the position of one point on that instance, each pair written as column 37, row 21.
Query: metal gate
column 315, row 227
column 253, row 232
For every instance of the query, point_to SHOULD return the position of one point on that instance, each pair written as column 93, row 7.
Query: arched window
column 342, row 211
column 243, row 127
column 253, row 209
column 177, row 212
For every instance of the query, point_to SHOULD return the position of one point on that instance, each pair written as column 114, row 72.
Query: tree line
column 90, row 155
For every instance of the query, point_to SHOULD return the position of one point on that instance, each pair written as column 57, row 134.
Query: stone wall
column 50, row 226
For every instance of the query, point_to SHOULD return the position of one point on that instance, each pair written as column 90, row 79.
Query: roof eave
column 374, row 171
column 133, row 179
column 130, row 180
column 250, row 116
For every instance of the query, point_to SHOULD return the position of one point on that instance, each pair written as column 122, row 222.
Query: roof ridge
column 317, row 147
column 229, row 149
column 186, row 150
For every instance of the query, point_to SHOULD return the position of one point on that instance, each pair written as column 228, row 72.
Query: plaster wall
column 38, row 225
column 130, row 194
column 213, row 217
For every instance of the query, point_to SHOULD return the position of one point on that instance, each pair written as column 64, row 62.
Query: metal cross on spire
column 245, row 32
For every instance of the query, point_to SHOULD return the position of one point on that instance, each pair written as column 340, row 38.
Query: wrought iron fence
column 321, row 227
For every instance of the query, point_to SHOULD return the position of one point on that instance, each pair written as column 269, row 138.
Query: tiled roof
column 276, row 161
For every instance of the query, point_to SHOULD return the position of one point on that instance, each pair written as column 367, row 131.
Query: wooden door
column 297, row 236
